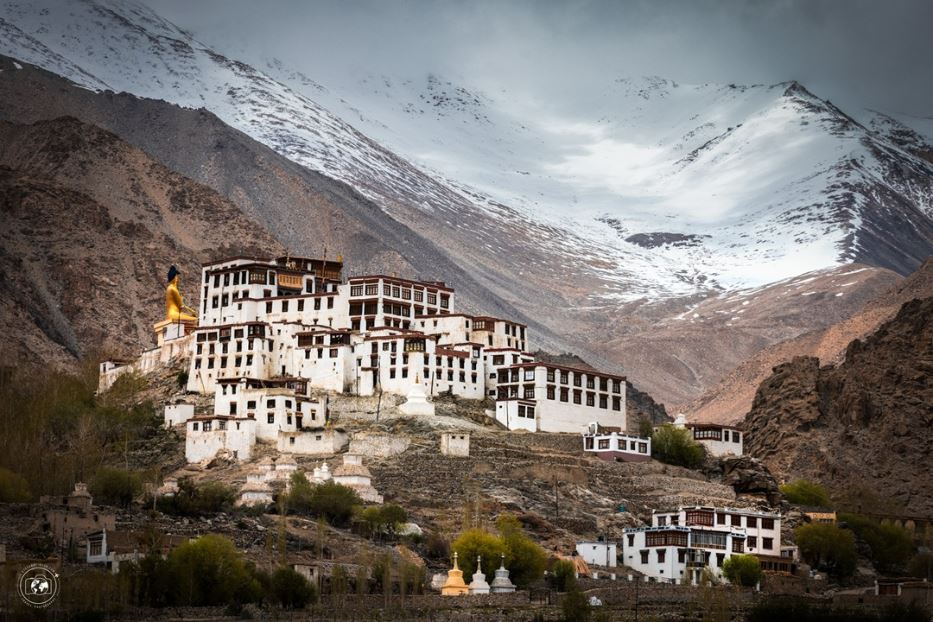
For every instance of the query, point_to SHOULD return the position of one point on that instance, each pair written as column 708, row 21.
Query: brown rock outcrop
column 863, row 428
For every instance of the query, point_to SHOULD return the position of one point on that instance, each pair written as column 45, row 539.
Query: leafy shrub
column 436, row 546
column 291, row 590
column 13, row 487
column 676, row 446
column 300, row 493
column 480, row 542
column 210, row 571
column 198, row 499
column 563, row 577
column 524, row 558
column 111, row 486
column 574, row 606
column 182, row 378
column 803, row 492
column 891, row 546
column 333, row 502
column 921, row 566
column 383, row 518
column 742, row 570
column 828, row 548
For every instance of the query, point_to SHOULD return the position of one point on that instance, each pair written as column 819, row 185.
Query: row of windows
column 401, row 293
column 253, row 330
column 706, row 517
column 256, row 345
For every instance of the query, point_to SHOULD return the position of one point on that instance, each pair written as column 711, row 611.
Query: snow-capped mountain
column 650, row 189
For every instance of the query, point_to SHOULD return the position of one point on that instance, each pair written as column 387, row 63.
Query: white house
column 719, row 440
column 615, row 446
column 176, row 414
column 206, row 436
column 455, row 444
column 312, row 441
column 598, row 553
column 544, row 397
column 680, row 544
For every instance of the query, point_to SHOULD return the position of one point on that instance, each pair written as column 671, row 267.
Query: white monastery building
column 680, row 544
column 274, row 337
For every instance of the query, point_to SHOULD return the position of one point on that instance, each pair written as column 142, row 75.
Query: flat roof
column 576, row 370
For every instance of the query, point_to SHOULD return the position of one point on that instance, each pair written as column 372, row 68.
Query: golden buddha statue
column 174, row 305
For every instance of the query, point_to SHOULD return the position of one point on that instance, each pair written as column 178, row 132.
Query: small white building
column 615, row 446
column 206, row 436
column 719, row 440
column 455, row 443
column 256, row 491
column 598, row 553
column 176, row 414
column 544, row 397
column 313, row 441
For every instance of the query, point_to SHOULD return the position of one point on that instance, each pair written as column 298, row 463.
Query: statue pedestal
column 167, row 330
column 417, row 402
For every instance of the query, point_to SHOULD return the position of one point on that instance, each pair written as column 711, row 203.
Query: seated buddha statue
column 175, row 308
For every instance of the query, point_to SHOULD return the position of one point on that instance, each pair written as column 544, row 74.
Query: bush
column 111, row 486
column 676, row 446
column 291, row 590
column 574, row 606
column 891, row 546
column 198, row 499
column 13, row 487
column 210, row 571
column 333, row 502
column 563, row 577
column 921, row 566
column 744, row 570
column 828, row 548
column 524, row 558
column 803, row 492
column 475, row 542
column 300, row 493
column 383, row 518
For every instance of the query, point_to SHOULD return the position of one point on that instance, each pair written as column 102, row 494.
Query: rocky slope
column 864, row 428
column 91, row 224
column 731, row 398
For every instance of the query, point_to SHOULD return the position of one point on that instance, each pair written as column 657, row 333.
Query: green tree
column 803, row 492
column 291, row 590
column 524, row 558
column 828, row 548
column 473, row 542
column 921, row 566
column 300, row 493
column 112, row 486
column 210, row 571
column 676, row 446
column 742, row 570
column 563, row 577
column 334, row 502
column 574, row 606
column 198, row 499
column 891, row 546
column 13, row 487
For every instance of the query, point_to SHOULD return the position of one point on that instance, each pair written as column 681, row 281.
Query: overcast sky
column 859, row 53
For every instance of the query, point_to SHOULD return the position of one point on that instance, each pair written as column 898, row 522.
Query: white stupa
column 417, row 401
column 502, row 584
column 680, row 421
column 478, row 585
column 321, row 474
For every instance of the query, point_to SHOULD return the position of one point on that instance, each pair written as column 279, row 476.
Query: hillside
column 863, row 428
column 90, row 225
column 731, row 398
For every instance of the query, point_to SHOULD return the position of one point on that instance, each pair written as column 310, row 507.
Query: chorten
column 454, row 586
column 416, row 402
column 502, row 583
column 478, row 585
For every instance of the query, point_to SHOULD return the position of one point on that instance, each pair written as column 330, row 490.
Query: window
column 631, row 539
column 590, row 399
column 767, row 543
column 207, row 426
column 616, row 403
column 644, row 557
column 590, row 382
column 698, row 517
column 662, row 554
column 564, row 393
column 767, row 523
column 356, row 290
column 550, row 392
column 194, row 426
column 529, row 374
column 577, row 380
column 752, row 542
column 720, row 558
column 529, row 392
column 751, row 522
column 270, row 418
column 550, row 375
column 736, row 520
column 577, row 397
column 604, row 443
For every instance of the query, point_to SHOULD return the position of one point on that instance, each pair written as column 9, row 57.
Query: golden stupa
column 454, row 586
